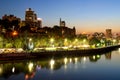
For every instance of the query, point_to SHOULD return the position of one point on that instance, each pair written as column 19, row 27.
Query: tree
column 25, row 28
column 5, row 23
column 15, row 23
column 94, row 41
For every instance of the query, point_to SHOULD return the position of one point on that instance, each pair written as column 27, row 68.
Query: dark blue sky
column 85, row 15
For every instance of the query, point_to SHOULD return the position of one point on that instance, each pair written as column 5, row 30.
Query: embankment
column 63, row 53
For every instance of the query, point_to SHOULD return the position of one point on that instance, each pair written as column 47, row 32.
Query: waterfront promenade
column 58, row 53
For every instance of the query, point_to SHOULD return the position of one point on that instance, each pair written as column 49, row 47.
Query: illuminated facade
column 30, row 15
column 31, row 19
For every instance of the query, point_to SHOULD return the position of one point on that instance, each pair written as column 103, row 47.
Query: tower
column 62, row 23
column 29, row 15
column 31, row 19
column 108, row 33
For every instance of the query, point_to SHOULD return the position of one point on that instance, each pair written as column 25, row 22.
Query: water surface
column 95, row 67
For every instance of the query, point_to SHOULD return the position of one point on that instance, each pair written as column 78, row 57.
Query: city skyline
column 85, row 15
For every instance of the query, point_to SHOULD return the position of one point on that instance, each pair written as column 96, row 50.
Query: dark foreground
column 49, row 54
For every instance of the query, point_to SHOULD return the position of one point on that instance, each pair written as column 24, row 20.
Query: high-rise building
column 62, row 23
column 39, row 21
column 30, row 15
column 109, row 33
column 65, row 31
column 31, row 19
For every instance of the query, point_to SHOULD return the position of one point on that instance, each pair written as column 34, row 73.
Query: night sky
column 85, row 15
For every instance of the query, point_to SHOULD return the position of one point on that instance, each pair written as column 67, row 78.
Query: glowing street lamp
column 15, row 33
column 30, row 39
column 65, row 40
column 84, row 40
column 51, row 41
column 114, row 41
column 76, row 40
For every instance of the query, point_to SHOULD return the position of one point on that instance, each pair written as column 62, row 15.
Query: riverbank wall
column 62, row 53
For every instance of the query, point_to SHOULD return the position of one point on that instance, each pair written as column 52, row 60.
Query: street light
column 15, row 33
column 76, row 40
column 65, row 42
column 84, row 40
column 114, row 41
column 75, row 43
column 51, row 41
column 30, row 40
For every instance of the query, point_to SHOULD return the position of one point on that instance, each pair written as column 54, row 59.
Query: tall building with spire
column 65, row 31
column 62, row 23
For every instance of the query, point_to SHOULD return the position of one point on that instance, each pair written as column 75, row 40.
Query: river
column 94, row 67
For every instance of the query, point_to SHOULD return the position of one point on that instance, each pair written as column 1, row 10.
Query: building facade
column 108, row 34
column 62, row 23
column 10, row 17
column 32, row 20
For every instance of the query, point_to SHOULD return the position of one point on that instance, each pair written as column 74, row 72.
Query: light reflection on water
column 95, row 67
